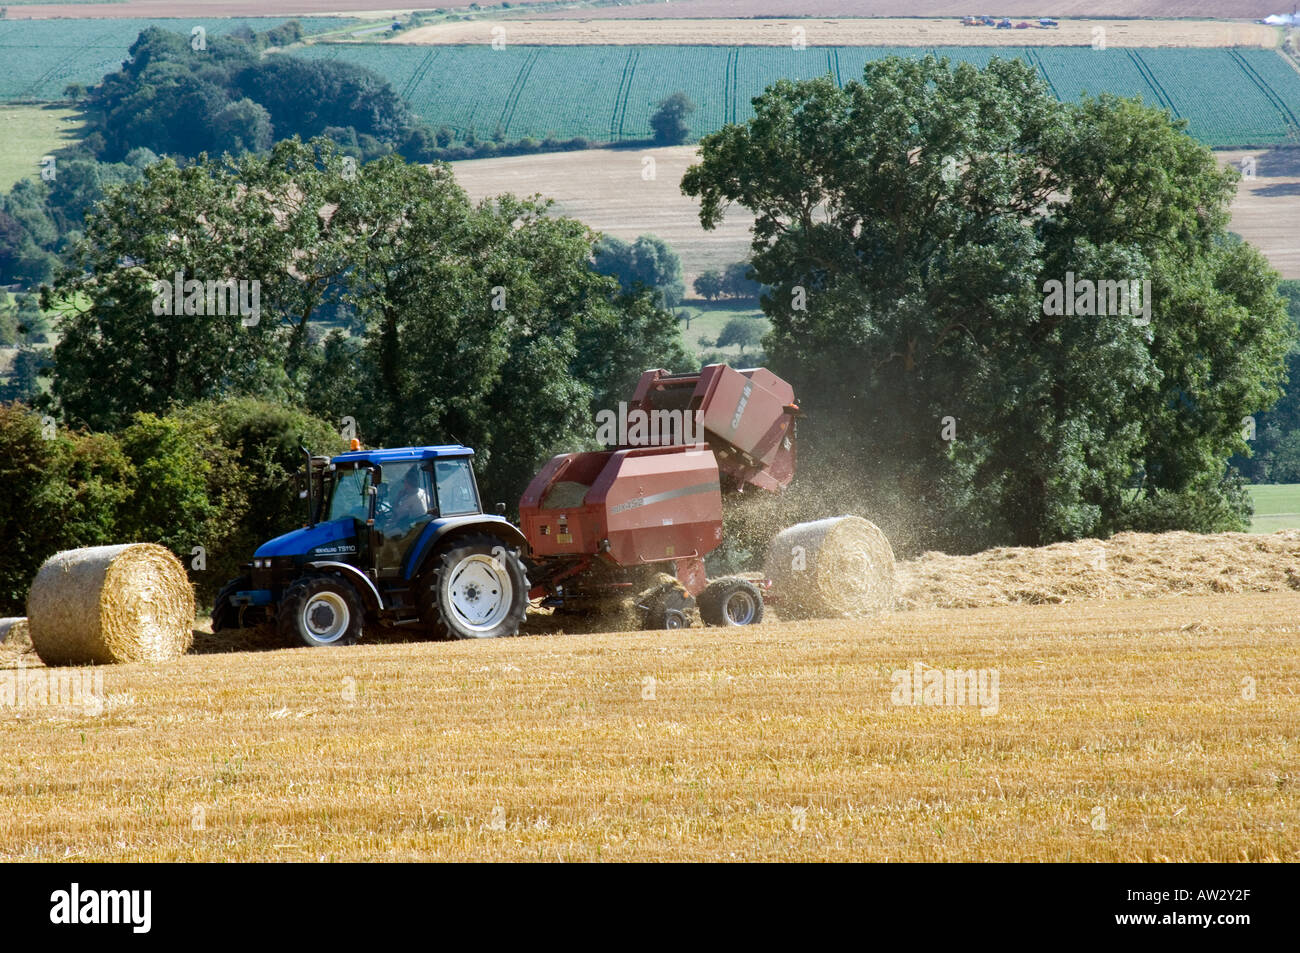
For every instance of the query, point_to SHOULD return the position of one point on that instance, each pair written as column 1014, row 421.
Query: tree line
column 907, row 228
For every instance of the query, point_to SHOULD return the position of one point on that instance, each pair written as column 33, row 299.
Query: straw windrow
column 1126, row 566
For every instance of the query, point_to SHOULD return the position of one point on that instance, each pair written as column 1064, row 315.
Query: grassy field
column 1277, row 506
column 708, row 320
column 29, row 132
column 1146, row 730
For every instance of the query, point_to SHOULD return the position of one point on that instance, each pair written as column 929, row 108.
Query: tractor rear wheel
column 321, row 610
column 731, row 601
column 477, row 589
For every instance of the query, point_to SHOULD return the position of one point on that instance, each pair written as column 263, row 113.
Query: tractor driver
column 411, row 505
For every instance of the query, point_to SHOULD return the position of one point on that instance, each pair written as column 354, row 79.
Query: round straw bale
column 14, row 634
column 131, row 603
column 841, row 567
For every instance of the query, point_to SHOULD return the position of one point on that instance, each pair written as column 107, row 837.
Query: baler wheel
column 668, row 607
column 731, row 601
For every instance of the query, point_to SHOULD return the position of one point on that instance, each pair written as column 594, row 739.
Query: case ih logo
column 740, row 407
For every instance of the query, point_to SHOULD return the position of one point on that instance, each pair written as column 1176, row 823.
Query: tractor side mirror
column 501, row 509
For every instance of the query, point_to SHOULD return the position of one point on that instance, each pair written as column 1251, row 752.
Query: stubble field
column 906, row 31
column 662, row 9
column 1150, row 730
column 610, row 191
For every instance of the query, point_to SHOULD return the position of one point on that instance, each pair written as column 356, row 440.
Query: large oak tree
column 907, row 227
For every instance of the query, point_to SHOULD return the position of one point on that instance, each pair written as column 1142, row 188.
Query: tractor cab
column 380, row 525
column 390, row 497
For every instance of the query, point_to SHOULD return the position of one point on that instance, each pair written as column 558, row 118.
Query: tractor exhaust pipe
column 311, row 504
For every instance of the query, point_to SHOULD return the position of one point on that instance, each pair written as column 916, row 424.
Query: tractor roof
column 402, row 454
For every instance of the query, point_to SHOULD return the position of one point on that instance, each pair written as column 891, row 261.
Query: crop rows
column 38, row 58
column 1230, row 98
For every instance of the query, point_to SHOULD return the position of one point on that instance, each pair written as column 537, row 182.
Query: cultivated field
column 1231, row 98
column 856, row 32
column 662, row 9
column 606, row 189
column 1141, row 730
column 40, row 58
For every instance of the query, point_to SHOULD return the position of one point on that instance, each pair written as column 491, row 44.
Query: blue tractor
column 394, row 538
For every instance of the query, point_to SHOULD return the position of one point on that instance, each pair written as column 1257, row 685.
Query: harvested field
column 1267, row 207
column 1126, row 566
column 605, row 189
column 694, row 9
column 1158, row 729
column 835, row 32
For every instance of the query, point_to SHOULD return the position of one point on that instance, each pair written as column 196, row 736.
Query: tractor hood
column 333, row 540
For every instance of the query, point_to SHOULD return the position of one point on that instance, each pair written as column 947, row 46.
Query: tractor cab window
column 402, row 510
column 456, row 490
column 349, row 496
column 404, row 498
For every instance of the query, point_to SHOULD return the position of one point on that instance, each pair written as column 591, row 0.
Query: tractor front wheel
column 321, row 610
column 477, row 589
column 225, row 615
